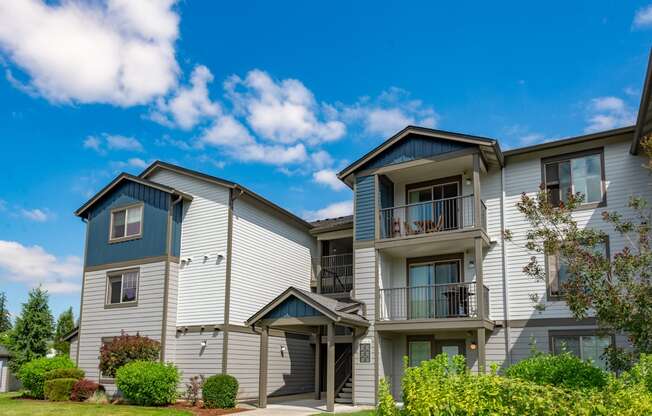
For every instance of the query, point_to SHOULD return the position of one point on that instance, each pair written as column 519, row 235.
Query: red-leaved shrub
column 127, row 348
column 84, row 389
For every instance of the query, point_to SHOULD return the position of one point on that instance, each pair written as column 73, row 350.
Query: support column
column 477, row 197
column 262, row 375
column 482, row 351
column 479, row 279
column 317, row 363
column 330, row 369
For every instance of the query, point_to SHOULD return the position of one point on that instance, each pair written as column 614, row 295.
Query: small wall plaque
column 365, row 353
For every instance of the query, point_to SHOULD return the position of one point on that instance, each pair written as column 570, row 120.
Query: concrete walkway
column 302, row 407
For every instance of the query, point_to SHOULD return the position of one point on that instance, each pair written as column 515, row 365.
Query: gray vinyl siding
column 364, row 208
column 203, row 232
column 269, row 255
column 492, row 265
column 192, row 359
column 98, row 322
column 171, row 315
column 288, row 373
column 364, row 386
column 74, row 344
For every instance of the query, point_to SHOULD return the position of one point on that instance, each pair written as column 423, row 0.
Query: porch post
column 317, row 363
column 262, row 375
column 477, row 207
column 479, row 279
column 482, row 353
column 330, row 366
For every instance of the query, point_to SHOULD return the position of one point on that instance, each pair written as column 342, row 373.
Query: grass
column 11, row 405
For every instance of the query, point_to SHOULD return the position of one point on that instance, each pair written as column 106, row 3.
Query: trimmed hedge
column 220, row 391
column 76, row 373
column 84, row 390
column 58, row 390
column 563, row 370
column 32, row 374
column 148, row 383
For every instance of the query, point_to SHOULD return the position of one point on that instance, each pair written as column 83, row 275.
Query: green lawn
column 11, row 406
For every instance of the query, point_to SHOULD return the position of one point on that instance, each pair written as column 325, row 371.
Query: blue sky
column 278, row 96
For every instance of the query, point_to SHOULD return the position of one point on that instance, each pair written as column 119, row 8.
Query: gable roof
column 489, row 145
column 223, row 182
column 644, row 119
column 333, row 309
column 126, row 177
column 332, row 224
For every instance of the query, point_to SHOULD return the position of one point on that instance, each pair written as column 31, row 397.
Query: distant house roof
column 332, row 224
column 4, row 352
column 226, row 183
column 72, row 334
column 81, row 211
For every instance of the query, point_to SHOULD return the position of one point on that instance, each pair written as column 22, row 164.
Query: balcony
column 440, row 301
column 448, row 214
column 335, row 273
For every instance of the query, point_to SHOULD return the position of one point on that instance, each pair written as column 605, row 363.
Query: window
column 589, row 347
column 122, row 287
column 557, row 270
column 126, row 222
column 581, row 172
column 419, row 351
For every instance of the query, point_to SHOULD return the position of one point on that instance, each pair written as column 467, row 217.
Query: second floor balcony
column 440, row 215
column 335, row 273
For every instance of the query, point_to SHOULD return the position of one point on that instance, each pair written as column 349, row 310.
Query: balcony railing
column 449, row 300
column 335, row 273
column 430, row 217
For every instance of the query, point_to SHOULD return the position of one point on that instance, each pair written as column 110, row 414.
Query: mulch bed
column 202, row 411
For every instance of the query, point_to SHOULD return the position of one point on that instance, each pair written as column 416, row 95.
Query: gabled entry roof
column 300, row 304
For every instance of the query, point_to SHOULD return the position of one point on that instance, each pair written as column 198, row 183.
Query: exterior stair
column 345, row 395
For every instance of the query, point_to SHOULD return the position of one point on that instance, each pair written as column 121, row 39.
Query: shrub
column 32, row 374
column 220, row 391
column 126, row 348
column 75, row 373
column 563, row 370
column 193, row 389
column 148, row 383
column 386, row 403
column 84, row 390
column 58, row 390
column 99, row 397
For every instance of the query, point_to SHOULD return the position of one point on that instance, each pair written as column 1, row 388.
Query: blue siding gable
column 414, row 147
column 364, row 208
column 155, row 222
column 292, row 307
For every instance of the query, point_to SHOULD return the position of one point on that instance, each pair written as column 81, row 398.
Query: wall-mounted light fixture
column 467, row 178
column 473, row 345
column 282, row 350
column 203, row 343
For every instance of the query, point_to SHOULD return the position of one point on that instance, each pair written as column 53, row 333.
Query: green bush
column 642, row 372
column 32, row 374
column 386, row 403
column 220, row 391
column 59, row 389
column 563, row 370
column 75, row 373
column 126, row 348
column 148, row 383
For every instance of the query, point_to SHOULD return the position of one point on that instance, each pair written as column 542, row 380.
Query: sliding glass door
column 429, row 288
column 434, row 208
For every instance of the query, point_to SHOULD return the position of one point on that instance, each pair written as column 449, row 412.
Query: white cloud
column 107, row 142
column 133, row 162
column 92, row 142
column 190, row 104
column 119, row 52
column 337, row 209
column 606, row 113
column 643, row 17
column 329, row 178
column 390, row 112
column 281, row 111
column 35, row 214
column 32, row 265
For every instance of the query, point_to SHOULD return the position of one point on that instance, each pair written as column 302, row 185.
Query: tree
column 619, row 290
column 5, row 317
column 32, row 331
column 65, row 324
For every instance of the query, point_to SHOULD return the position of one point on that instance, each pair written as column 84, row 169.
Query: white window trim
column 121, row 273
column 126, row 209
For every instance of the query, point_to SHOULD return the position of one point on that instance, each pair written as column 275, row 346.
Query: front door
column 451, row 348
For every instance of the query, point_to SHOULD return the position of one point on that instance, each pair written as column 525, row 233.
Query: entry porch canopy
column 297, row 309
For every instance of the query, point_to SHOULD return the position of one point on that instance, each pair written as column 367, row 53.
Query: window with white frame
column 127, row 222
column 588, row 347
column 579, row 172
column 122, row 287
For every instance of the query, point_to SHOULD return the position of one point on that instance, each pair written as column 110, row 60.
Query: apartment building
column 229, row 282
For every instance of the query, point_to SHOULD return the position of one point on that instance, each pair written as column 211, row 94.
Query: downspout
column 166, row 284
column 227, row 278
column 508, row 352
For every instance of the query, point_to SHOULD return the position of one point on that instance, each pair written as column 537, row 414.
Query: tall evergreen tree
column 32, row 331
column 65, row 324
column 5, row 317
